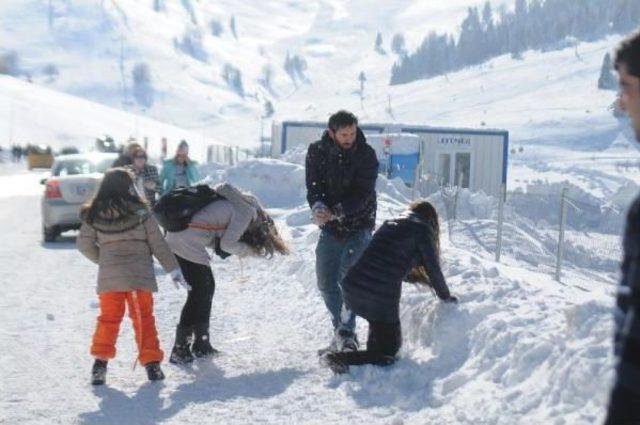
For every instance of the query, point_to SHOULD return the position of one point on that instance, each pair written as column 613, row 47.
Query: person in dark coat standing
column 624, row 406
column 406, row 248
column 341, row 173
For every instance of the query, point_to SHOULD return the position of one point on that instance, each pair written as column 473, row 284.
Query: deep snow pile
column 520, row 346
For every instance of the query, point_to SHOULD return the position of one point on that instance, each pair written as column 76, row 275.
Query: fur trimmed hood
column 111, row 221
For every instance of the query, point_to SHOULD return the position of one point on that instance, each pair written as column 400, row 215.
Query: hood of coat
column 112, row 221
column 235, row 196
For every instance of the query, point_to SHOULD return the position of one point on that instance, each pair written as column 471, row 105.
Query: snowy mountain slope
column 545, row 98
column 40, row 115
column 96, row 45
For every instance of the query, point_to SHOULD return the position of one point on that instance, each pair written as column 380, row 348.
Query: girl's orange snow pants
column 112, row 306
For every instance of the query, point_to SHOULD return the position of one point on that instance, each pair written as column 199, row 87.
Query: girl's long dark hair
column 427, row 213
column 263, row 237
column 114, row 198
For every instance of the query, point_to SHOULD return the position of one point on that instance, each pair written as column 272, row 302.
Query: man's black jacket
column 344, row 181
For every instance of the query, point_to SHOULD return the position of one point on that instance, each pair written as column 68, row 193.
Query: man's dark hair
column 628, row 53
column 342, row 119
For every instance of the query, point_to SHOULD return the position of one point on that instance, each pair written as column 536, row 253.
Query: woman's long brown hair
column 263, row 236
column 114, row 197
column 427, row 213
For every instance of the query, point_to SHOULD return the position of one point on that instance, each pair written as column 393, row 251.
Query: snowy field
column 519, row 348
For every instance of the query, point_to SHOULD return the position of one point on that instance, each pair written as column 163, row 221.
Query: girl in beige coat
column 119, row 234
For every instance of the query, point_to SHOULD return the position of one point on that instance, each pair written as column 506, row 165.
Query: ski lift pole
column 417, row 177
column 415, row 183
column 501, row 199
column 563, row 219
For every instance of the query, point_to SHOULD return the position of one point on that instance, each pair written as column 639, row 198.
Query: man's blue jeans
column 334, row 257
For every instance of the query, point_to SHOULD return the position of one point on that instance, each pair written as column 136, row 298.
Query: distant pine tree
column 233, row 77
column 191, row 44
column 378, row 46
column 398, row 45
column 216, row 28
column 266, row 79
column 143, row 91
column 9, row 63
column 269, row 110
column 232, row 26
column 159, row 6
column 607, row 80
column 362, row 78
column 189, row 8
column 533, row 24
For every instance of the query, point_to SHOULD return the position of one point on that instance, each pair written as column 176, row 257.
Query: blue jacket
column 168, row 175
column 372, row 287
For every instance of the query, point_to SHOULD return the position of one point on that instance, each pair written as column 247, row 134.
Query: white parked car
column 74, row 179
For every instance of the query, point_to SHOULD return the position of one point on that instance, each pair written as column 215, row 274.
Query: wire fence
column 230, row 155
column 549, row 227
column 551, row 231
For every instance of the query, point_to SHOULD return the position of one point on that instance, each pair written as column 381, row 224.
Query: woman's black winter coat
column 372, row 287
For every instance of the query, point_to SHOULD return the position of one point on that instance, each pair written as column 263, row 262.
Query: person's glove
column 320, row 213
column 178, row 279
column 338, row 211
column 219, row 251
column 450, row 300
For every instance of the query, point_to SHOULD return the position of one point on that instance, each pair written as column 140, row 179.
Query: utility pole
column 563, row 220
column 11, row 121
column 503, row 194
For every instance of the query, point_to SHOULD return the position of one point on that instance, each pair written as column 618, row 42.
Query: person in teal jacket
column 180, row 171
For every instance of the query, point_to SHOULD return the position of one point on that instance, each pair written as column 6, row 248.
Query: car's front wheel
column 49, row 234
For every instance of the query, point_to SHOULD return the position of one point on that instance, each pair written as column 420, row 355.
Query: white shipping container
column 470, row 158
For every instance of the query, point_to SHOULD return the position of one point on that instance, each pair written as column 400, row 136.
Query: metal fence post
column 563, row 219
column 501, row 199
column 416, row 180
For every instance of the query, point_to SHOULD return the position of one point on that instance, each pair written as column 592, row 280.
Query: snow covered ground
column 519, row 348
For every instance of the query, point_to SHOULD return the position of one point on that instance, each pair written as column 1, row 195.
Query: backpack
column 175, row 209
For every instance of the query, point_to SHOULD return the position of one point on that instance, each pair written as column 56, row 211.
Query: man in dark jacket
column 624, row 406
column 341, row 173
